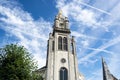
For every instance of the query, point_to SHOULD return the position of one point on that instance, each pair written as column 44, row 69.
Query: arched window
column 63, row 74
column 65, row 44
column 60, row 43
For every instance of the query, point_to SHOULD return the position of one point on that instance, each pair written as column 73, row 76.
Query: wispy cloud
column 26, row 31
column 75, row 11
column 101, row 48
column 100, row 10
column 95, row 25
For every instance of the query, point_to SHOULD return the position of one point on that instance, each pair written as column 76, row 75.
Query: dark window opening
column 65, row 44
column 60, row 43
column 61, row 25
column 53, row 43
column 63, row 74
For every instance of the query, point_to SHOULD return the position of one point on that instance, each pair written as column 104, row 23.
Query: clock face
column 63, row 60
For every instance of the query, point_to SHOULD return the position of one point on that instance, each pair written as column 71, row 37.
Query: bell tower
column 61, row 52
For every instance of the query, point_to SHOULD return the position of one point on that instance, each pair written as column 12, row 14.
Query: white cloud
column 96, row 26
column 86, row 16
column 96, row 75
column 114, row 61
column 91, row 23
column 85, row 43
column 101, row 48
column 32, row 34
column 60, row 3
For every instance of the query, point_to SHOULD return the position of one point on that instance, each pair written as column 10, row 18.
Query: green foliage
column 16, row 63
column 36, row 76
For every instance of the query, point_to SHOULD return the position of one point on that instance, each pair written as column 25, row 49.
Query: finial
column 60, row 13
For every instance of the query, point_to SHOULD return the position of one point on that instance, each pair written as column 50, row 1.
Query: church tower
column 61, row 52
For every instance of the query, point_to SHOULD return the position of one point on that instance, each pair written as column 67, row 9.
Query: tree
column 16, row 63
column 36, row 76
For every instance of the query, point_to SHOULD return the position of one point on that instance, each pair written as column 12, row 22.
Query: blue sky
column 94, row 23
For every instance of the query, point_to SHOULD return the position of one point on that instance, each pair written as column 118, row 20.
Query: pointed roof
column 60, row 13
column 105, row 69
column 106, row 73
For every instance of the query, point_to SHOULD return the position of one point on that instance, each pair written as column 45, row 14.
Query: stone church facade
column 61, row 63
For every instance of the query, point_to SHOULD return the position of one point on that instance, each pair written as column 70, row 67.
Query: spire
column 60, row 13
column 104, row 67
column 106, row 73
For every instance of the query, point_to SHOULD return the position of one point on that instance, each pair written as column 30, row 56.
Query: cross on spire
column 60, row 13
